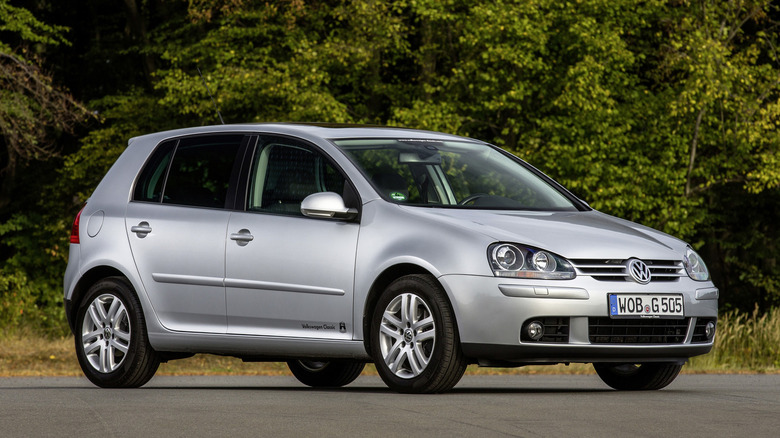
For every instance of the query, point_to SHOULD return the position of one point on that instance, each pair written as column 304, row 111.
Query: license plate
column 646, row 306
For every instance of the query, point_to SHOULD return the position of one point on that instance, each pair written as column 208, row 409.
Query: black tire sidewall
column 645, row 377
column 121, row 290
column 333, row 374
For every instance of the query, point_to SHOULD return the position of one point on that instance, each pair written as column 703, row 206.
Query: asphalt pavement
column 480, row 406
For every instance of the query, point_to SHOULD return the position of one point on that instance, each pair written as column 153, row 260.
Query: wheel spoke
column 104, row 358
column 395, row 334
column 118, row 346
column 123, row 336
column 421, row 359
column 405, row 311
column 390, row 317
column 412, row 309
column 91, row 347
column 95, row 334
column 113, row 309
column 99, row 305
column 415, row 363
column 426, row 335
column 394, row 357
column 121, row 316
column 93, row 314
column 423, row 323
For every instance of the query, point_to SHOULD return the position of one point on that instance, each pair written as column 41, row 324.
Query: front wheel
column 638, row 377
column 414, row 337
column 111, row 341
column 319, row 374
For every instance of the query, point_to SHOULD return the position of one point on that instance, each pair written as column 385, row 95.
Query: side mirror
column 327, row 205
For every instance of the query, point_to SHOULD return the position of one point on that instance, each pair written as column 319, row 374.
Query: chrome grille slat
column 615, row 270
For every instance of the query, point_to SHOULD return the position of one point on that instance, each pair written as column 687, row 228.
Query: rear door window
column 193, row 171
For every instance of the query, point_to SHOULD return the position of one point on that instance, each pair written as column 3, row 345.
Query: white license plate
column 646, row 306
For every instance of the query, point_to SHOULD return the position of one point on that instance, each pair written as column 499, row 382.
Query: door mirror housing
column 327, row 205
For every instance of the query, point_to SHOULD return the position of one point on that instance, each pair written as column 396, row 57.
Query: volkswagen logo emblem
column 639, row 271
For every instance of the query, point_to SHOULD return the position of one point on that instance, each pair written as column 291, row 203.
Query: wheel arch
column 86, row 281
column 383, row 280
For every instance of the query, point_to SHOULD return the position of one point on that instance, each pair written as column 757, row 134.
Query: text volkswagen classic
column 330, row 246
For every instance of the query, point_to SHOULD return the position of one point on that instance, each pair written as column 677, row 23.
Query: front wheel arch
column 379, row 285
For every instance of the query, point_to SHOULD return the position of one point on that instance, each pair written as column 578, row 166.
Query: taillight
column 74, row 231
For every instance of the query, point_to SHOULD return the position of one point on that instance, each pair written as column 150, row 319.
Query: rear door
column 177, row 224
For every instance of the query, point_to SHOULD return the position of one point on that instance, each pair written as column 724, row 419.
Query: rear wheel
column 638, row 377
column 319, row 374
column 111, row 341
column 414, row 337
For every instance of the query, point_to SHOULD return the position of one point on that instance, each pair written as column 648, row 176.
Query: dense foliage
column 665, row 112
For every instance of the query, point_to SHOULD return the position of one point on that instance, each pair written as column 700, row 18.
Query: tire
column 638, row 377
column 111, row 340
column 318, row 374
column 414, row 337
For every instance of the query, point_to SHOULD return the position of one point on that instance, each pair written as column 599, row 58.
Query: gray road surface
column 480, row 406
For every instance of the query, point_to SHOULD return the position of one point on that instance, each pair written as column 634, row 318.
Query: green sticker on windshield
column 398, row 196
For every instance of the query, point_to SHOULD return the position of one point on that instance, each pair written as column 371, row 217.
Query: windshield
column 451, row 174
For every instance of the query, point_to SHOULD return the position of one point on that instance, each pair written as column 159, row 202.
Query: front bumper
column 492, row 312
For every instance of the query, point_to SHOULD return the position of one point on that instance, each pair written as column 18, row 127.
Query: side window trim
column 238, row 179
column 168, row 170
column 142, row 176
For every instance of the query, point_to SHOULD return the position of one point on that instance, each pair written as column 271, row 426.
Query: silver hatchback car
column 332, row 246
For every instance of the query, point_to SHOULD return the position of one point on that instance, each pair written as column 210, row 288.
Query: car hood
column 588, row 234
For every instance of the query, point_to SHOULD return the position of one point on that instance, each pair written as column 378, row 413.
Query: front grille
column 699, row 334
column 556, row 330
column 637, row 331
column 616, row 270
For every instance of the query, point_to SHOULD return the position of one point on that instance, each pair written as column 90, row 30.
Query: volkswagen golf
column 329, row 247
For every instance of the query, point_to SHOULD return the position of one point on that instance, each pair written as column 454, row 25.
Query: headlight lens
column 508, row 257
column 695, row 266
column 510, row 260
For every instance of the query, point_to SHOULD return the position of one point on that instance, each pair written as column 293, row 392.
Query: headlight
column 508, row 260
column 695, row 266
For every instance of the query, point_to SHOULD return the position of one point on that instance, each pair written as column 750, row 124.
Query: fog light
column 534, row 330
column 709, row 330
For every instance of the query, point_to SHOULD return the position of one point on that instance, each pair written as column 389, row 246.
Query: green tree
column 32, row 109
column 34, row 113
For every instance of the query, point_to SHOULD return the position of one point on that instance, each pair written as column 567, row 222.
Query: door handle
column 141, row 229
column 242, row 237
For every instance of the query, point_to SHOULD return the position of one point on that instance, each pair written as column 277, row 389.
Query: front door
column 286, row 274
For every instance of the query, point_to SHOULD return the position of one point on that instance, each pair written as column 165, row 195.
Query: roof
column 309, row 130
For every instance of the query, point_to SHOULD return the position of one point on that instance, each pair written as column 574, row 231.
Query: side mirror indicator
column 327, row 205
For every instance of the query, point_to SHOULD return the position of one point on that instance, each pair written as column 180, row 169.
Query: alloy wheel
column 407, row 335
